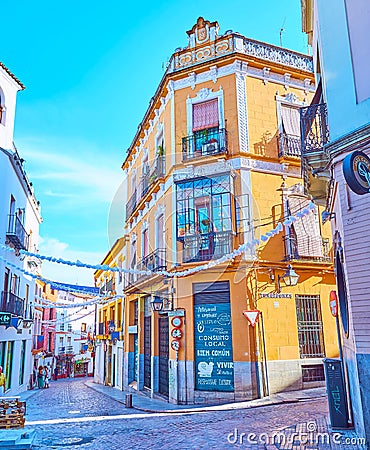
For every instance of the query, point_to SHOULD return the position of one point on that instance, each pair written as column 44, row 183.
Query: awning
column 291, row 120
column 307, row 228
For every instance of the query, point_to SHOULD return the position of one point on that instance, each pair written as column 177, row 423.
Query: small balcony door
column 203, row 224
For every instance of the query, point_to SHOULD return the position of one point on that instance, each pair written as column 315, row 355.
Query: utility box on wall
column 336, row 391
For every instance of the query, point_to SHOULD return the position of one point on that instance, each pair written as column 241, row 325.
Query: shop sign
column 356, row 171
column 5, row 318
column 213, row 347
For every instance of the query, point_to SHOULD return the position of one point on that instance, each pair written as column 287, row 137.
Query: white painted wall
column 331, row 35
column 13, row 181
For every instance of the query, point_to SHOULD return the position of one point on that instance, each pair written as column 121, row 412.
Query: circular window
column 342, row 292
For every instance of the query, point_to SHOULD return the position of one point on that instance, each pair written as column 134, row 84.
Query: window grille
column 310, row 328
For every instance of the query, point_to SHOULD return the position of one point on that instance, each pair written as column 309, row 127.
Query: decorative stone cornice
column 235, row 43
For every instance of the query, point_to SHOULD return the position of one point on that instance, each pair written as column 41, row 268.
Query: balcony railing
column 204, row 247
column 155, row 172
column 69, row 349
column 61, row 350
column 13, row 304
column 314, row 128
column 131, row 204
column 292, row 250
column 204, row 143
column 16, row 233
column 154, row 261
column 289, row 145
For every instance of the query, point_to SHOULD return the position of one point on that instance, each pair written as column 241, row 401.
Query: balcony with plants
column 148, row 184
column 202, row 143
column 204, row 218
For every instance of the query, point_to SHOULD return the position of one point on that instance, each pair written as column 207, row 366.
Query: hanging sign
column 252, row 316
column 356, row 171
column 333, row 303
column 5, row 318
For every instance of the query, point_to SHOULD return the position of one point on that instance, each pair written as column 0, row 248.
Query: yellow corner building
column 216, row 163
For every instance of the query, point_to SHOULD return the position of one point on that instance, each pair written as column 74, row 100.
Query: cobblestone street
column 70, row 415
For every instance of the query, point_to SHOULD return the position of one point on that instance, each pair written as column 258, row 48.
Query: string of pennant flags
column 176, row 274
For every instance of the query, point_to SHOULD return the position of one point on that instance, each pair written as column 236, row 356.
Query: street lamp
column 290, row 277
column 156, row 303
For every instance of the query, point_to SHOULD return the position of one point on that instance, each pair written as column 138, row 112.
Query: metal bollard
column 128, row 401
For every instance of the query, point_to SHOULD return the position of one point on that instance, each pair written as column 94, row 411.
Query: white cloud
column 82, row 167
column 63, row 273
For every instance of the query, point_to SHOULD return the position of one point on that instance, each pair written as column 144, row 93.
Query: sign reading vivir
column 213, row 347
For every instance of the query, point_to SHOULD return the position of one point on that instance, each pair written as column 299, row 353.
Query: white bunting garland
column 104, row 267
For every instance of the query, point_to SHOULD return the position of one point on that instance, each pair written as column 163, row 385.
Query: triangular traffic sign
column 252, row 316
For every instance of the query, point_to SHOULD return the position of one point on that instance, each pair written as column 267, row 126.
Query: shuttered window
column 291, row 120
column 307, row 228
column 205, row 115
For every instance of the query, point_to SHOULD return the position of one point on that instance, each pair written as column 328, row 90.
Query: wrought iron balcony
column 61, row 350
column 153, row 174
column 314, row 137
column 204, row 247
column 69, row 349
column 13, row 304
column 289, row 145
column 131, row 204
column 204, row 143
column 314, row 128
column 292, row 250
column 153, row 262
column 16, row 233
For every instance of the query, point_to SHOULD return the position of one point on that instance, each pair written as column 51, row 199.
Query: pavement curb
column 213, row 408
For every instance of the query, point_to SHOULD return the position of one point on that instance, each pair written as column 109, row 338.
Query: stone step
column 16, row 439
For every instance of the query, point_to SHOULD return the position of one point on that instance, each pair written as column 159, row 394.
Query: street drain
column 71, row 441
column 67, row 442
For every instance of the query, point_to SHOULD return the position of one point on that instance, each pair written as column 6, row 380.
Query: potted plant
column 160, row 150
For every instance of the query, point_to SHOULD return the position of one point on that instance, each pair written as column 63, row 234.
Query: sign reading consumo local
column 213, row 347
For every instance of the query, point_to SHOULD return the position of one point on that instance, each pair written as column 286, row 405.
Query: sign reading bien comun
column 214, row 367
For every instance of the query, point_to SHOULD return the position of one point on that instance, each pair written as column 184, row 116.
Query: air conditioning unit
column 210, row 148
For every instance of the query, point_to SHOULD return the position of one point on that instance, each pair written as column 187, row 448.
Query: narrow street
column 71, row 415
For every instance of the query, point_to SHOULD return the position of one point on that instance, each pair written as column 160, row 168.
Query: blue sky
column 90, row 69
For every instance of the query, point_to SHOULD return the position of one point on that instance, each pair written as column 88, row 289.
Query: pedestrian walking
column 47, row 376
column 2, row 380
column 55, row 373
column 41, row 378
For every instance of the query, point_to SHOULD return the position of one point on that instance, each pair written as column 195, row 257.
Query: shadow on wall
column 267, row 146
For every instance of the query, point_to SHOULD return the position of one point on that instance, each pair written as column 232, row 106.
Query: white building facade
column 74, row 335
column 338, row 172
column 110, row 367
column 19, row 229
